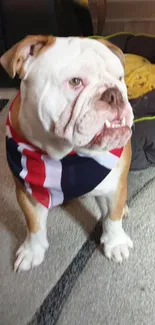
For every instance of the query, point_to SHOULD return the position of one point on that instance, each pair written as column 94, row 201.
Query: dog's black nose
column 112, row 96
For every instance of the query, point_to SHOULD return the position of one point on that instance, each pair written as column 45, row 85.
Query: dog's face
column 78, row 88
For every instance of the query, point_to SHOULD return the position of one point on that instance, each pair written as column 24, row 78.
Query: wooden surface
column 132, row 27
column 98, row 13
column 136, row 16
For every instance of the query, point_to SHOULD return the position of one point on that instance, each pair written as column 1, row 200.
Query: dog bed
column 139, row 52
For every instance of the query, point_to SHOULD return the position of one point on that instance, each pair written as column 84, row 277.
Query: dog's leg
column 116, row 241
column 31, row 252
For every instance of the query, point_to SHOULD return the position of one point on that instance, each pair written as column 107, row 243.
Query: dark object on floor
column 84, row 19
column 143, row 138
column 21, row 18
column 3, row 103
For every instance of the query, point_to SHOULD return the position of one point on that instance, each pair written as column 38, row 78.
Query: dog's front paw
column 30, row 254
column 116, row 241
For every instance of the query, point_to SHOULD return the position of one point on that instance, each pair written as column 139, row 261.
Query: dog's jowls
column 72, row 97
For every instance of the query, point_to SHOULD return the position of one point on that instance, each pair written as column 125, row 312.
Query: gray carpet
column 76, row 284
column 111, row 294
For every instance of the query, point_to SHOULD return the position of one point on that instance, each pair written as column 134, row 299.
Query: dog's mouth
column 114, row 129
column 114, row 124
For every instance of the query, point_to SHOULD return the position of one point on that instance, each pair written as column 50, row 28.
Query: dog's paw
column 116, row 242
column 30, row 254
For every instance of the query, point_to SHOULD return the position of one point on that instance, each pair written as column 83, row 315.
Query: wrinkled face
column 80, row 94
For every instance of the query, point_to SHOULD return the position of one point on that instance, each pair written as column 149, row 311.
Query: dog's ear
column 115, row 49
column 13, row 60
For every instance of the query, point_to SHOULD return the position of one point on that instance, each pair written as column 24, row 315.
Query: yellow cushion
column 133, row 62
column 82, row 2
column 139, row 75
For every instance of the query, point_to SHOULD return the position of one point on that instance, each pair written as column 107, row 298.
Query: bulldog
column 68, row 135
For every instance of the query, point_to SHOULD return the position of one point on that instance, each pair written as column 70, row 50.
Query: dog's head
column 77, row 87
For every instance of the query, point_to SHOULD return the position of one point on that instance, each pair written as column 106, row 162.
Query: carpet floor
column 76, row 284
column 111, row 294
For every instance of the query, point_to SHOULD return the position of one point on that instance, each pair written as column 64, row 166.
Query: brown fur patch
column 121, row 193
column 13, row 60
column 14, row 116
column 27, row 204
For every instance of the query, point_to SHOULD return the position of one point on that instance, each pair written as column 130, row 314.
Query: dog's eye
column 121, row 78
column 74, row 82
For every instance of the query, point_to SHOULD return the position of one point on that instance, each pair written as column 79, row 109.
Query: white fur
column 31, row 252
column 116, row 241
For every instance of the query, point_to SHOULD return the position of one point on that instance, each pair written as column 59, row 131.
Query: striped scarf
column 52, row 182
